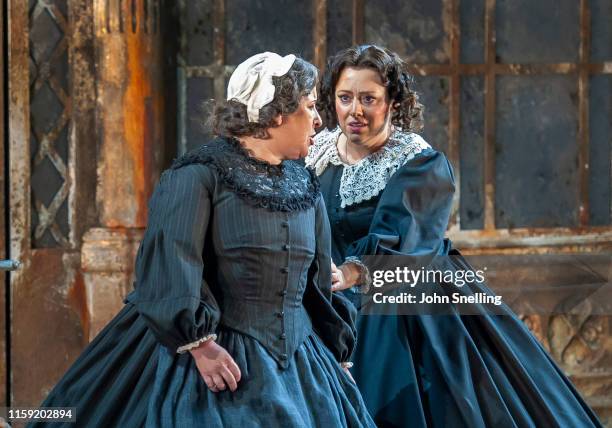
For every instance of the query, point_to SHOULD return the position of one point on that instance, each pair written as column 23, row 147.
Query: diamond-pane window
column 49, row 117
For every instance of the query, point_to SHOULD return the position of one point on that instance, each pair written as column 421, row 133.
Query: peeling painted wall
column 517, row 96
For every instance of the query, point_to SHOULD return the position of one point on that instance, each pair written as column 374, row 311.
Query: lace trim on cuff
column 193, row 345
column 365, row 280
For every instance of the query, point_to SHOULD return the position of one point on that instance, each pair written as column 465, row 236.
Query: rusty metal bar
column 358, row 21
column 219, row 47
column 59, row 18
column 45, row 68
column 489, row 119
column 508, row 69
column 219, row 31
column 181, row 58
column 583, row 112
column 465, row 69
column 320, row 33
column 19, row 194
column 462, row 69
column 533, row 249
column 516, row 69
column 581, row 240
column 81, row 157
column 605, row 68
column 181, row 85
column 451, row 11
column 209, row 71
column 19, row 129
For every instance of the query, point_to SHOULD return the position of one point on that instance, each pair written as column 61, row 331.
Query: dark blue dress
column 432, row 370
column 240, row 248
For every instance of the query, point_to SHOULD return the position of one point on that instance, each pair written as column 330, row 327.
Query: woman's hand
column 217, row 367
column 338, row 282
column 344, row 277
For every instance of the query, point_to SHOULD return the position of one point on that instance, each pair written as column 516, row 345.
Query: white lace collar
column 368, row 177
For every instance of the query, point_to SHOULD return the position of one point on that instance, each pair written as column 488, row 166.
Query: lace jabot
column 368, row 177
column 285, row 187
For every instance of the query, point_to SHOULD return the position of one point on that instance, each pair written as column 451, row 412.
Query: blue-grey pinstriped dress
column 240, row 248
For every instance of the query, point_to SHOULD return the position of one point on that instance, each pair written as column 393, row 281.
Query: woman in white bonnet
column 232, row 321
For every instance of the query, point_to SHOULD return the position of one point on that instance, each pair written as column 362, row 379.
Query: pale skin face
column 293, row 135
column 364, row 116
column 363, row 111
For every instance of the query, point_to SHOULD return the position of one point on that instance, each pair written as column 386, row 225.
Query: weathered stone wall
column 489, row 108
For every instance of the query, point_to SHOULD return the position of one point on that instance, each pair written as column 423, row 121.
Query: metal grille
column 50, row 111
column 467, row 64
column 484, row 61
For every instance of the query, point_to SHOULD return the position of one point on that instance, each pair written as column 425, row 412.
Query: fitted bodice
column 235, row 243
column 262, row 261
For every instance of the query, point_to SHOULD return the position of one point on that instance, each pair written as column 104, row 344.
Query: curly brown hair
column 408, row 112
column 230, row 119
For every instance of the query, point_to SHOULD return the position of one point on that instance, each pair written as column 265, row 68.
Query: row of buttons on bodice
column 285, row 271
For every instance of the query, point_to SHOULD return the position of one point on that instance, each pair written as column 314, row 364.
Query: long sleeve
column 171, row 294
column 412, row 214
column 333, row 316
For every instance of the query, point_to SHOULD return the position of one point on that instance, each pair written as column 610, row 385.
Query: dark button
column 285, row 224
column 286, row 247
column 285, row 270
column 283, row 357
column 283, row 336
column 280, row 314
column 282, row 293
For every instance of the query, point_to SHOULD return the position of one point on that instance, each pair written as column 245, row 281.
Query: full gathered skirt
column 456, row 370
column 125, row 378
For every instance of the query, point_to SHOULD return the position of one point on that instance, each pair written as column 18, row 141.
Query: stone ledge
column 110, row 250
column 107, row 261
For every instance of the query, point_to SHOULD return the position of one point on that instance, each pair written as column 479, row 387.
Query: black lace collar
column 284, row 187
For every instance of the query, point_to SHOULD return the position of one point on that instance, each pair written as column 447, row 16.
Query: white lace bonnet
column 251, row 83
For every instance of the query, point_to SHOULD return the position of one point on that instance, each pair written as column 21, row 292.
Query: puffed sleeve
column 333, row 316
column 171, row 293
column 413, row 211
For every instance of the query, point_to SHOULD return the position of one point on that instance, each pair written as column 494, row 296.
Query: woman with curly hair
column 387, row 192
column 232, row 321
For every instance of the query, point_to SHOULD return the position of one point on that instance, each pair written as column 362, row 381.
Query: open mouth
column 356, row 126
